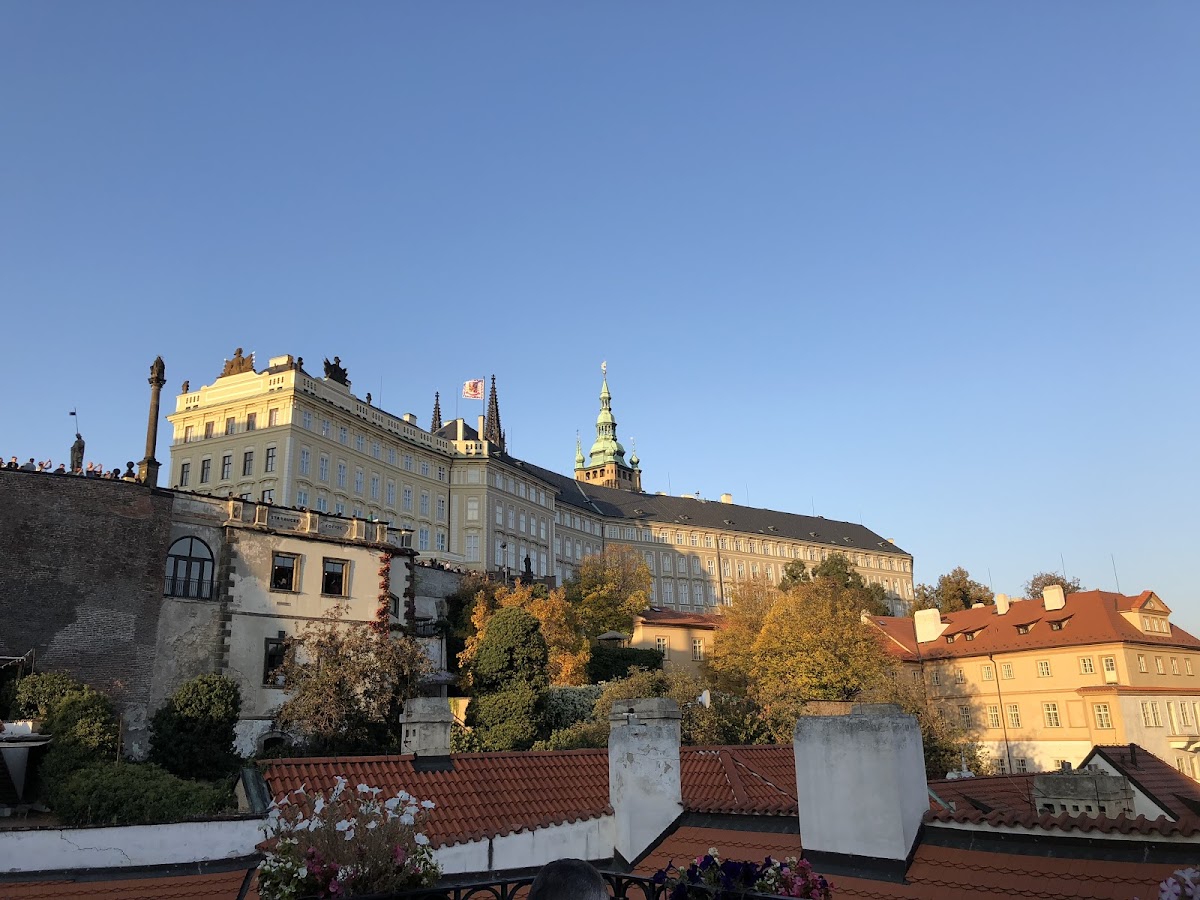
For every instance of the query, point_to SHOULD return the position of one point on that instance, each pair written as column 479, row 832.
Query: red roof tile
column 1170, row 788
column 210, row 886
column 1091, row 617
column 1006, row 792
column 690, row 841
column 486, row 794
column 740, row 780
column 1122, row 824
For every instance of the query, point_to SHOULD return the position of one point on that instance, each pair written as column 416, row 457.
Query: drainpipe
column 1003, row 713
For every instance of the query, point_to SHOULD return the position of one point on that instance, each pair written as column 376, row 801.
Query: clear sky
column 928, row 266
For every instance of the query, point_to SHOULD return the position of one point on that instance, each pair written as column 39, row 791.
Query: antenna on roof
column 990, row 588
column 1115, row 578
column 669, row 491
column 813, row 501
column 1063, row 564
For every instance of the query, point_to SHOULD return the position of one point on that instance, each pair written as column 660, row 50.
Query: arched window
column 189, row 570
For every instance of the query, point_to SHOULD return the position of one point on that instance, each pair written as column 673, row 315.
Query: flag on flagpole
column 473, row 390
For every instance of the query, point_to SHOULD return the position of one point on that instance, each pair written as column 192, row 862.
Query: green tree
column 347, row 686
column 510, row 678
column 1035, row 585
column 609, row 589
column 953, row 591
column 814, row 646
column 38, row 694
column 794, row 573
column 192, row 734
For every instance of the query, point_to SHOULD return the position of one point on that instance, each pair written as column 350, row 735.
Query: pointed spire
column 436, row 423
column 579, row 461
column 491, row 426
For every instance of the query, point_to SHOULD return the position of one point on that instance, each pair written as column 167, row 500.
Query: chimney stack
column 426, row 732
column 480, row 438
column 870, row 804
column 727, row 498
column 1053, row 597
column 643, row 772
column 928, row 624
column 1002, row 604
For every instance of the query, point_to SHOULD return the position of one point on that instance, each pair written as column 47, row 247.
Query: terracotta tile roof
column 486, row 794
column 210, row 886
column 656, row 616
column 739, row 780
column 1004, row 792
column 690, row 841
column 948, row 873
column 1122, row 824
column 1089, row 617
column 1167, row 786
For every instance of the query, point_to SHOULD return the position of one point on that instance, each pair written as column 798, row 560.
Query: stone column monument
column 148, row 467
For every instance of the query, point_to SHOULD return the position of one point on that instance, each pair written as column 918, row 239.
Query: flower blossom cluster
column 351, row 841
column 709, row 877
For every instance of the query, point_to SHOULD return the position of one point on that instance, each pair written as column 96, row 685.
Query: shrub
column 576, row 737
column 134, row 793
column 610, row 663
column 38, row 694
column 464, row 740
column 511, row 651
column 85, row 719
column 567, row 705
column 511, row 719
column 192, row 735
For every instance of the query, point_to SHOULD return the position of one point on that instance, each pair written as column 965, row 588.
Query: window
column 441, row 541
column 306, row 420
column 273, row 650
column 697, row 649
column 935, row 677
column 374, row 487
column 185, row 473
column 1151, row 717
column 1102, row 714
column 333, row 577
column 251, row 421
column 230, row 425
column 669, row 592
column 343, row 434
column 341, row 474
column 423, row 538
column 441, row 511
column 305, row 461
column 206, row 476
column 1141, row 663
column 1085, row 665
column 472, row 548
column 1021, row 764
column 248, row 463
column 189, row 570
column 993, row 714
column 272, row 418
column 960, row 677
column 285, row 571
column 1043, row 668
column 964, row 716
column 323, row 469
column 408, row 462
column 425, row 472
column 663, row 646
column 1109, row 663
column 1158, row 664
column 1187, row 665
column 1006, row 670
column 208, row 429
column 376, row 450
column 1023, row 629
column 325, row 428
column 188, row 437
column 441, row 476
column 989, row 673
column 269, row 462
column 358, row 481
column 1185, row 716
column 268, row 496
column 1174, row 661
column 1014, row 715
column 360, row 443
column 1050, row 715
column 226, row 466
column 425, row 504
column 302, row 498
column 1057, row 625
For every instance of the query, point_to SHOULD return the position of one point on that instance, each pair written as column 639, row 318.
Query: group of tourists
column 75, row 467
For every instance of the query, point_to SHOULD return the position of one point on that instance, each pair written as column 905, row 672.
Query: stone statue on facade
column 187, row 386
column 77, row 453
column 238, row 364
column 335, row 371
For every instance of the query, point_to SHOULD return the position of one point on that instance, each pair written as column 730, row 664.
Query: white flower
column 427, row 804
column 403, row 795
column 319, row 804
column 407, row 819
column 372, row 825
column 314, row 823
column 364, row 788
column 391, row 804
column 302, row 825
column 350, row 835
column 300, row 790
column 420, row 839
column 346, row 824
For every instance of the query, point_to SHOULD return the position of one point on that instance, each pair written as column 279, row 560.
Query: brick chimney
column 869, row 804
column 643, row 772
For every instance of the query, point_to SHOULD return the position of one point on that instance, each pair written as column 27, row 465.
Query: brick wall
column 81, row 578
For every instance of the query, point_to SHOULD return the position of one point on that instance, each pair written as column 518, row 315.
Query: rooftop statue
column 336, row 371
column 77, row 453
column 238, row 364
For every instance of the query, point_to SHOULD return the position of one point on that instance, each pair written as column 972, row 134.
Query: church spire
column 606, row 464
column 436, row 423
column 491, row 426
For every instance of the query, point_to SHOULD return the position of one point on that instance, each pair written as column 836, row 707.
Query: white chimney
column 1002, row 604
column 929, row 625
column 410, row 418
column 871, row 801
column 480, row 428
column 727, row 498
column 426, row 730
column 1053, row 597
column 643, row 772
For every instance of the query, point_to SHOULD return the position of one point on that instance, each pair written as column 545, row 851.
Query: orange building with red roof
column 1040, row 682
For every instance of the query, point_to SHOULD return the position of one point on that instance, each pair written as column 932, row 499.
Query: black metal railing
column 620, row 887
column 192, row 588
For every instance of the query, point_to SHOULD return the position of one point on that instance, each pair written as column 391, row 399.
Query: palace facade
column 282, row 436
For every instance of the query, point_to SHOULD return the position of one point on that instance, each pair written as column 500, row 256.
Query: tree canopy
column 1035, row 585
column 609, row 589
column 510, row 678
column 347, row 685
column 954, row 591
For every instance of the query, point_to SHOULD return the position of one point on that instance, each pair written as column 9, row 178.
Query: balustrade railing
column 620, row 887
column 190, row 588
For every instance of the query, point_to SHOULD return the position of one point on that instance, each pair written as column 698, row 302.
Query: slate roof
column 1161, row 782
column 1088, row 617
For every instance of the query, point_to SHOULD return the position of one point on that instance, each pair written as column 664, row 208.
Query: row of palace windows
column 662, row 643
column 1087, row 666
column 231, row 425
column 225, row 473
column 343, row 435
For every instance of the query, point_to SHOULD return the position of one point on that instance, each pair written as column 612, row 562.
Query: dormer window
column 950, row 638
column 1023, row 629
column 1058, row 626
column 969, row 636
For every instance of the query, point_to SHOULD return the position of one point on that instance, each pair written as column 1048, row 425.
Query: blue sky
column 928, row 266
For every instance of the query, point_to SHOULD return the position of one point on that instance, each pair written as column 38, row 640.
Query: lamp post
column 504, row 564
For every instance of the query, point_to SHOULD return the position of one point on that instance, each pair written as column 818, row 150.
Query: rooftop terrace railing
column 620, row 887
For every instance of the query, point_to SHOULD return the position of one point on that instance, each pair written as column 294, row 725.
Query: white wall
column 588, row 839
column 51, row 849
column 1039, row 755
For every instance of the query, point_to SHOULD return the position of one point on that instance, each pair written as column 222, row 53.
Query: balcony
column 189, row 588
column 620, row 887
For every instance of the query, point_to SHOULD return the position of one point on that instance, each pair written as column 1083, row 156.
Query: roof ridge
column 729, row 767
